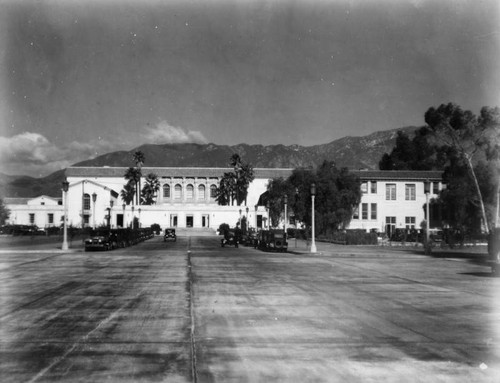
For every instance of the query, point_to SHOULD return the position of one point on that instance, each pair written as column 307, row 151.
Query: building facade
column 186, row 199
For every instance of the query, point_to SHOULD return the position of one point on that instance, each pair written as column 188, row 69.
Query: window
column 435, row 188
column 355, row 213
column 189, row 192
column 86, row 219
column 50, row 218
column 373, row 211
column 86, row 202
column 373, row 187
column 213, row 191
column 32, row 218
column 364, row 211
column 42, row 203
column 390, row 225
column 364, row 187
column 410, row 222
column 390, row 192
column 201, row 192
column 178, row 192
column 410, row 192
column 166, row 191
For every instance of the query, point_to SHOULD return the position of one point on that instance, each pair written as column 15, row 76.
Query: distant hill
column 350, row 152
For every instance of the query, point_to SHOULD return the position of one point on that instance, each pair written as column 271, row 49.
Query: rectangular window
column 364, row 211
column 373, row 211
column 410, row 192
column 435, row 188
column 390, row 225
column 410, row 222
column 373, row 188
column 50, row 218
column 32, row 218
column 390, row 192
column 355, row 213
column 364, row 187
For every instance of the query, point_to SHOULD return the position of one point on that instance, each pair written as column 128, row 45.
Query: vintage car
column 272, row 240
column 230, row 238
column 100, row 241
column 494, row 250
column 169, row 235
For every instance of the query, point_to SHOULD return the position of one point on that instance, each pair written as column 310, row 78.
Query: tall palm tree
column 150, row 189
column 128, row 192
column 139, row 159
column 132, row 175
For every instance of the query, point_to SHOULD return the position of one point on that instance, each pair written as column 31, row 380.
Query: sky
column 80, row 79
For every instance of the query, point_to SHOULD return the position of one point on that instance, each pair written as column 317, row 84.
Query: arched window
column 178, row 192
column 201, row 192
column 189, row 192
column 213, row 191
column 166, row 191
column 86, row 201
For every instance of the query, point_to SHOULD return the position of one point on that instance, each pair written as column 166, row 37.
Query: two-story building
column 42, row 211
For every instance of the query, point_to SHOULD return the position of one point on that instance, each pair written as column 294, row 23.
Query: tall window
column 364, row 211
column 410, row 192
column 435, row 188
column 390, row 225
column 189, row 192
column 355, row 213
column 213, row 191
column 50, row 218
column 166, row 191
column 410, row 222
column 373, row 187
column 178, row 192
column 86, row 201
column 32, row 218
column 201, row 192
column 364, row 187
column 390, row 192
column 373, row 211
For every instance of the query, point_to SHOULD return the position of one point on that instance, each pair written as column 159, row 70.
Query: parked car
column 169, row 235
column 100, row 241
column 494, row 250
column 230, row 238
column 272, row 240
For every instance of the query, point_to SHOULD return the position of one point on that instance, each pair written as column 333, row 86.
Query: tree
column 233, row 186
column 128, row 192
column 466, row 134
column 150, row 189
column 139, row 159
column 277, row 188
column 4, row 212
column 133, row 175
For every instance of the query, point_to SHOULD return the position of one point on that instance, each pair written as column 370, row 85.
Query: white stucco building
column 390, row 199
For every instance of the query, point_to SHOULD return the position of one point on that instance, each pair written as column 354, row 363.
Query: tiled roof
column 171, row 172
column 16, row 201
column 388, row 175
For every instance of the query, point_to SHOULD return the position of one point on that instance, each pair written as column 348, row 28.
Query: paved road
column 191, row 311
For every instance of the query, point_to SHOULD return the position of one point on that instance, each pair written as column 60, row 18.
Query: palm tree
column 128, row 192
column 133, row 175
column 139, row 159
column 150, row 189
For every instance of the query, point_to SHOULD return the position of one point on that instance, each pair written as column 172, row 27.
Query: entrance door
column 390, row 226
column 119, row 220
column 173, row 220
column 205, row 220
column 189, row 221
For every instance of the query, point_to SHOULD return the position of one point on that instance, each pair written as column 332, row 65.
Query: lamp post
column 286, row 203
column 94, row 198
column 139, row 218
column 256, row 207
column 313, row 241
column 133, row 216
column 65, row 186
column 124, row 220
column 427, row 190
column 111, row 203
column 239, row 219
column 268, row 218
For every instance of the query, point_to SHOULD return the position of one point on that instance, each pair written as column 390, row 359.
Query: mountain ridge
column 351, row 152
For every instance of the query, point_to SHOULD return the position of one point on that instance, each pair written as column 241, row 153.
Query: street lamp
column 65, row 186
column 313, row 242
column 111, row 203
column 124, row 221
column 286, row 202
column 427, row 190
column 256, row 207
column 139, row 217
column 268, row 217
column 94, row 198
column 133, row 216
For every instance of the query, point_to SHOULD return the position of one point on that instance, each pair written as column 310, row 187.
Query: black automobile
column 231, row 238
column 169, row 235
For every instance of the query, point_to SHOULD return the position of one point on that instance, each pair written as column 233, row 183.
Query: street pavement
column 191, row 311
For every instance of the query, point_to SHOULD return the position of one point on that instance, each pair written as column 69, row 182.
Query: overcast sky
column 83, row 78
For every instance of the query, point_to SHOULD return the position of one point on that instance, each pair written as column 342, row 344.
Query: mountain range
column 351, row 152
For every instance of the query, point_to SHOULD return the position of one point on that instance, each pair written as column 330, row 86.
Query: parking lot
column 191, row 311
